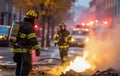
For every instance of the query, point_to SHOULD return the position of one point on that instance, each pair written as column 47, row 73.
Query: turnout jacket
column 26, row 40
column 63, row 38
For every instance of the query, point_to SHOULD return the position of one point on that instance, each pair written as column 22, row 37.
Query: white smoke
column 104, row 47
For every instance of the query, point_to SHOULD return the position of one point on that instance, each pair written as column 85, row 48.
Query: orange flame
column 80, row 64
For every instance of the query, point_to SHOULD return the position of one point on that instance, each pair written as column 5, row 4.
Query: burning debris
column 80, row 64
column 71, row 73
column 83, row 67
column 108, row 72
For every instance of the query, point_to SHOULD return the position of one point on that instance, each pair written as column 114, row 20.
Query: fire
column 80, row 64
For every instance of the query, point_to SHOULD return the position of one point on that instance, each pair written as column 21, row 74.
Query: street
column 5, row 54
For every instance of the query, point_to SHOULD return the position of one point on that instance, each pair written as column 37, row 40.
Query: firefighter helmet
column 62, row 25
column 31, row 14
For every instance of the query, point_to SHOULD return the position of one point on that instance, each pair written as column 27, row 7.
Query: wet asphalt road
column 5, row 54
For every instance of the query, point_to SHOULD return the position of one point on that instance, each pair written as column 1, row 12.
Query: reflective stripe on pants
column 20, row 50
column 63, row 54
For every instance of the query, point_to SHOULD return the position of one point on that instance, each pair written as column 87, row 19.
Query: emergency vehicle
column 80, row 36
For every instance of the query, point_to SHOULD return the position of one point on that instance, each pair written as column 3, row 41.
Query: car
column 79, row 38
column 4, row 33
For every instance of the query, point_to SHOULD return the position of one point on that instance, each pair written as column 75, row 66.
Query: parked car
column 4, row 33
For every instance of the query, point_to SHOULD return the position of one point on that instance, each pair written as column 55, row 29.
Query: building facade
column 117, row 9
column 8, row 12
column 5, row 12
column 104, row 9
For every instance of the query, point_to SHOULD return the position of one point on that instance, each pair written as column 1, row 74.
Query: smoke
column 104, row 47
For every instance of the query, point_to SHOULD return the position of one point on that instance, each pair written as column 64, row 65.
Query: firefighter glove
column 16, row 57
column 38, row 52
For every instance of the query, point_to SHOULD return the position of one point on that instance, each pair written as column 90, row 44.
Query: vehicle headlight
column 73, row 39
column 3, row 37
column 87, row 40
column 0, row 36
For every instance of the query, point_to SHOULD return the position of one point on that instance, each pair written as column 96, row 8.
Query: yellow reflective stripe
column 22, row 35
column 36, row 46
column 64, row 46
column 20, row 50
column 55, row 41
column 69, row 35
column 65, row 58
column 31, row 35
column 57, row 35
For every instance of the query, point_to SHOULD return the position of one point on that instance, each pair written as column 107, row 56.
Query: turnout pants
column 63, row 54
column 23, row 63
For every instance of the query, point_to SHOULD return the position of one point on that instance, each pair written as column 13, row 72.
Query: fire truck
column 80, row 36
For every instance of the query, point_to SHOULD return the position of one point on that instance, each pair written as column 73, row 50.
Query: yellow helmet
column 62, row 25
column 31, row 14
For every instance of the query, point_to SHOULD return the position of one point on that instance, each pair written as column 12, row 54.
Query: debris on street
column 108, row 72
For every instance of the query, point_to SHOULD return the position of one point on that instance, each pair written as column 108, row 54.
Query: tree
column 51, row 13
column 21, row 6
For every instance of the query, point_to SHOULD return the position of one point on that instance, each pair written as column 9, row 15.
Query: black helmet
column 62, row 25
column 31, row 14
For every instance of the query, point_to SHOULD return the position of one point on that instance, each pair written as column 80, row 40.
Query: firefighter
column 63, row 38
column 26, row 41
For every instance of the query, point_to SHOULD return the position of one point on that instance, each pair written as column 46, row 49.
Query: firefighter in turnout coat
column 26, row 41
column 63, row 38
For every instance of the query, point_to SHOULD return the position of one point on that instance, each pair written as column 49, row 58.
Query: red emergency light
column 36, row 26
column 105, row 22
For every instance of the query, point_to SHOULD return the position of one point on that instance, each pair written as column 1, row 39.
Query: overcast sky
column 83, row 3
